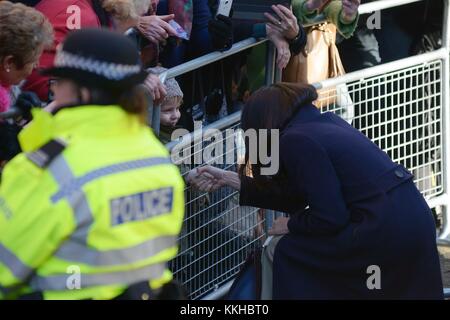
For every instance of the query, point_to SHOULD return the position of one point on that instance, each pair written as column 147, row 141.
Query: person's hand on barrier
column 221, row 32
column 156, row 88
column 349, row 10
column 286, row 22
column 283, row 50
column 279, row 227
column 156, row 28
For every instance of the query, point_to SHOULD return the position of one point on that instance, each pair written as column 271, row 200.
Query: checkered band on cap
column 111, row 71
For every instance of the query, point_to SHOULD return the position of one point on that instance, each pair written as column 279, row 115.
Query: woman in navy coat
column 358, row 228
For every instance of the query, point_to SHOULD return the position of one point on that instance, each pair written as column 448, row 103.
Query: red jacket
column 56, row 12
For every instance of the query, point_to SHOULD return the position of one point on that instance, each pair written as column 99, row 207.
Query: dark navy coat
column 351, row 208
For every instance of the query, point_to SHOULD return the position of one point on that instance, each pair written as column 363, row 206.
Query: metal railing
column 402, row 106
column 399, row 106
column 217, row 233
column 154, row 114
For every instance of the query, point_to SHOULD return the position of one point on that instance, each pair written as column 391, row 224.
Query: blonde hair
column 126, row 9
column 23, row 32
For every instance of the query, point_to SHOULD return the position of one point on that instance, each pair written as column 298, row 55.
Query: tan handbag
column 318, row 61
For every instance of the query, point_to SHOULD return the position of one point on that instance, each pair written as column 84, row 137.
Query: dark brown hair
column 273, row 107
column 134, row 100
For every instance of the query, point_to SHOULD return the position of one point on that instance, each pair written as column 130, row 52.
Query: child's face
column 170, row 114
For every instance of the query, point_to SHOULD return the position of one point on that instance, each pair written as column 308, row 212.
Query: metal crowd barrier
column 217, row 233
column 402, row 106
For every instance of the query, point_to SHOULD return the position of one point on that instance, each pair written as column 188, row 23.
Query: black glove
column 25, row 102
column 297, row 44
column 221, row 32
column 9, row 145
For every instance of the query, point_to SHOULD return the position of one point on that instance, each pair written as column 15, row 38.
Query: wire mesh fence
column 400, row 111
column 217, row 234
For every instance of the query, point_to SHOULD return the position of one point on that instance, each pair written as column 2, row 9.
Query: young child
column 170, row 106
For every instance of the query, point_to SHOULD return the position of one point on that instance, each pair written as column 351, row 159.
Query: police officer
column 93, row 205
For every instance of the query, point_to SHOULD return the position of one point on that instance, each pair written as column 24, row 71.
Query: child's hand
column 156, row 88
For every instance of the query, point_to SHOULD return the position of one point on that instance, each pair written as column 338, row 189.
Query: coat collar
column 304, row 114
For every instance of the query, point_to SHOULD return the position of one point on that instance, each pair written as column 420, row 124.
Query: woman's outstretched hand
column 207, row 178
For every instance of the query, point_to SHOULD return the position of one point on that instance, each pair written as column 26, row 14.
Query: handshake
column 207, row 178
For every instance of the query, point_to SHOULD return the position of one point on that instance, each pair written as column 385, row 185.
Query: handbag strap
column 328, row 34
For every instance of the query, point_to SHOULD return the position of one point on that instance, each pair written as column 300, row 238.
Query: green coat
column 332, row 12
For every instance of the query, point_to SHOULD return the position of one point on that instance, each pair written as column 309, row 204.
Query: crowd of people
column 85, row 182
column 147, row 23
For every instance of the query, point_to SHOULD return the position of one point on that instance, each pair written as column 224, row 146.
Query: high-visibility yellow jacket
column 103, row 214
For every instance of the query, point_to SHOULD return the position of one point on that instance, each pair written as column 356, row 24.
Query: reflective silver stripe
column 79, row 253
column 63, row 175
column 78, row 183
column 76, row 248
column 38, row 157
column 59, row 282
column 14, row 264
column 61, row 171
